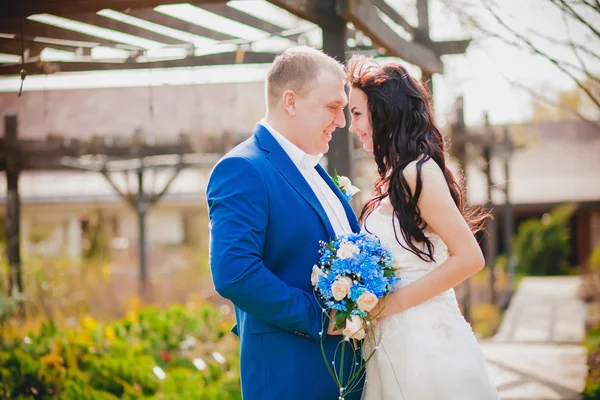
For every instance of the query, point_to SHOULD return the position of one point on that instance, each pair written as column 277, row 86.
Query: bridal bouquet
column 354, row 273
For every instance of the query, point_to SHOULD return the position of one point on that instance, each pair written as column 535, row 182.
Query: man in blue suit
column 270, row 204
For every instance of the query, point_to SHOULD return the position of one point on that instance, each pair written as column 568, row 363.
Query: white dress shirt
column 306, row 165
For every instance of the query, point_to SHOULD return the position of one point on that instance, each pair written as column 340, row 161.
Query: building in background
column 557, row 162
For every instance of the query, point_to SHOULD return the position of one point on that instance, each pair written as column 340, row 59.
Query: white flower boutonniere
column 344, row 184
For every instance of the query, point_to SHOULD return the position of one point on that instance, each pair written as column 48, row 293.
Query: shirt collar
column 298, row 157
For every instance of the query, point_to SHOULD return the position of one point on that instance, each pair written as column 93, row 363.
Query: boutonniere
column 345, row 186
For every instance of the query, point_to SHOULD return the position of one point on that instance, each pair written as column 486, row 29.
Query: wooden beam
column 15, row 45
column 37, row 29
column 247, row 19
column 305, row 9
column 21, row 9
column 363, row 14
column 74, row 66
column 175, row 23
column 108, row 23
column 388, row 10
column 450, row 47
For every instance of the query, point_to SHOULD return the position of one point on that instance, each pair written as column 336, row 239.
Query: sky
column 480, row 75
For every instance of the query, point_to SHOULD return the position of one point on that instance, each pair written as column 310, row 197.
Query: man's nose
column 340, row 118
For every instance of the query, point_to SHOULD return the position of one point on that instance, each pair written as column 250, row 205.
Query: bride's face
column 361, row 119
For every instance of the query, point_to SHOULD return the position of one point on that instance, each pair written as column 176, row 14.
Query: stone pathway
column 537, row 352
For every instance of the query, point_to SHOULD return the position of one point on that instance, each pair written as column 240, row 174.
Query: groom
column 270, row 203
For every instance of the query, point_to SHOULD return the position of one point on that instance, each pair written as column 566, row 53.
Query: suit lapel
column 347, row 207
column 291, row 174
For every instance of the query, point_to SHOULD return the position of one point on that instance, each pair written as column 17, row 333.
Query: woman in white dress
column 423, row 347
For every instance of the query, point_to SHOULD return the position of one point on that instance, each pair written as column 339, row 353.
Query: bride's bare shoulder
column 430, row 172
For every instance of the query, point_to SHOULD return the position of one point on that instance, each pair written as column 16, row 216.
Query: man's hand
column 331, row 329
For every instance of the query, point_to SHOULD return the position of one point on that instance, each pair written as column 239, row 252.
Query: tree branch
column 472, row 21
column 570, row 44
column 541, row 53
column 595, row 7
column 574, row 14
column 544, row 100
column 577, row 55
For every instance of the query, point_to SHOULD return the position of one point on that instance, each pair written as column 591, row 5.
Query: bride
column 424, row 348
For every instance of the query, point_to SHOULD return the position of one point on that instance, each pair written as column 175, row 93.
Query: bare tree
column 488, row 19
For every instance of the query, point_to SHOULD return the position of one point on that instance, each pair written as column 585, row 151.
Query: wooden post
column 491, row 224
column 141, row 207
column 459, row 140
column 334, row 44
column 508, row 210
column 422, row 34
column 13, row 205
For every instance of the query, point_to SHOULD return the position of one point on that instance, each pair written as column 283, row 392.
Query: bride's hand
column 385, row 307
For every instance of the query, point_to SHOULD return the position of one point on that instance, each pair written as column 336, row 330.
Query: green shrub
column 542, row 245
column 118, row 360
column 77, row 388
column 592, row 340
column 592, row 382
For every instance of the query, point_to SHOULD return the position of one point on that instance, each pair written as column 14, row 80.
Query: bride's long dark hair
column 404, row 131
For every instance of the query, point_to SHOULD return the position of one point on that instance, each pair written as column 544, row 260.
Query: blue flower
column 356, row 291
column 339, row 306
column 359, row 312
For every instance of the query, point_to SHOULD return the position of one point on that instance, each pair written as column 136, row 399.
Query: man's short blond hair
column 295, row 69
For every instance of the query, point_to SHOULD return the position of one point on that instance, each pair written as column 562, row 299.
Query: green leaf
column 336, row 178
column 340, row 319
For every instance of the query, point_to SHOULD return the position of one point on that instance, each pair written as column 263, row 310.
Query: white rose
column 367, row 301
column 354, row 328
column 347, row 250
column 316, row 273
column 347, row 186
column 341, row 288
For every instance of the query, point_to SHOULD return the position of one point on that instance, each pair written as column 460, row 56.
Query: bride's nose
column 352, row 128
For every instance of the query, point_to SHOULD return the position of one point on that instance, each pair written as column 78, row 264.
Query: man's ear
column 289, row 102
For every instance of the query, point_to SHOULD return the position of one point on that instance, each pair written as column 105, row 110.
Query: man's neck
column 280, row 126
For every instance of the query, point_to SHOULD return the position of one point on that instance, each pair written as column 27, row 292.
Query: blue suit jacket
column 266, row 224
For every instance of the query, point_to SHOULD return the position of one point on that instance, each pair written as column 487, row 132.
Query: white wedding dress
column 427, row 352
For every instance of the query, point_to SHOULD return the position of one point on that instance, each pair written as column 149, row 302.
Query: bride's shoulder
column 430, row 172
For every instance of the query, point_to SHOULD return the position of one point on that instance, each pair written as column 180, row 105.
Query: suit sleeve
column 239, row 212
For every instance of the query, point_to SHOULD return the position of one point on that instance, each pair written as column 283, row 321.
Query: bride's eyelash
column 356, row 114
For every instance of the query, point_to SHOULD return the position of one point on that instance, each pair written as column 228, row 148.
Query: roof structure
column 65, row 36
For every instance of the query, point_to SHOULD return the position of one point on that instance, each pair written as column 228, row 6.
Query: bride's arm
column 443, row 218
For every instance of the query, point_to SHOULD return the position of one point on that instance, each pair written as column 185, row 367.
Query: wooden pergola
column 136, row 28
